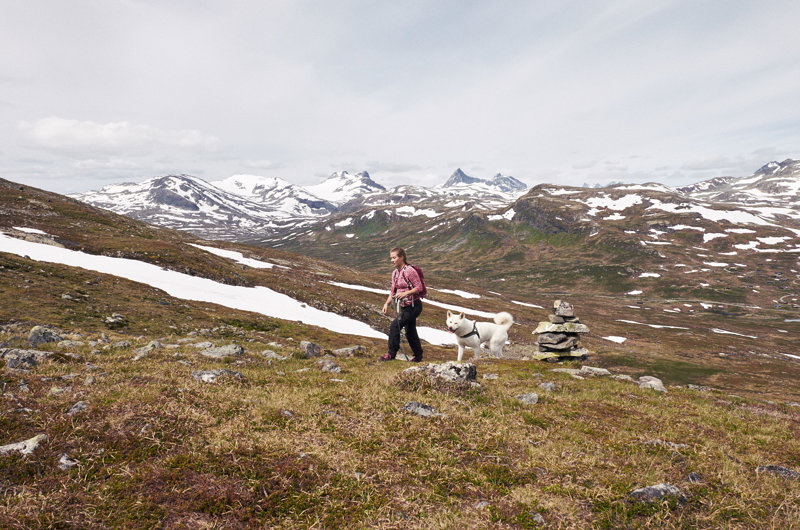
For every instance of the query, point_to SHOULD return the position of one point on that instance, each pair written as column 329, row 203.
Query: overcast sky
column 97, row 92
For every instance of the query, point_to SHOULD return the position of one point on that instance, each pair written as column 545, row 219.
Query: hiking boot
column 387, row 357
column 417, row 359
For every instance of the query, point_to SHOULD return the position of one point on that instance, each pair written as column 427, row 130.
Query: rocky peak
column 459, row 177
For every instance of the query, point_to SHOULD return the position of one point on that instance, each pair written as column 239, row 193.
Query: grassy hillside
column 291, row 446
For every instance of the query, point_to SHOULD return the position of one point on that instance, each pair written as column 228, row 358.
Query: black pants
column 406, row 319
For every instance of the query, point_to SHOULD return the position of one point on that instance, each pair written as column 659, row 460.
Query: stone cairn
column 560, row 337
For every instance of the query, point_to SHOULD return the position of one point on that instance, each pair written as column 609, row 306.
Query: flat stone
column 24, row 447
column 70, row 344
column 211, row 376
column 531, row 398
column 420, row 409
column 566, row 344
column 592, row 370
column 551, row 338
column 44, row 334
column 669, row 445
column 350, row 351
column 490, row 376
column 623, row 377
column 567, row 327
column 555, row 319
column 548, row 386
column 699, row 388
column 654, row 493
column 203, row 345
column 562, row 308
column 781, row 471
column 220, row 352
column 122, row 344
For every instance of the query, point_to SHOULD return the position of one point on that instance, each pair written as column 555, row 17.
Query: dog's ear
column 461, row 315
column 449, row 314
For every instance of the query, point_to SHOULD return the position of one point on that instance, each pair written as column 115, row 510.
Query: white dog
column 470, row 334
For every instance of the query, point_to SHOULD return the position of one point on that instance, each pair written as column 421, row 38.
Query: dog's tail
column 504, row 319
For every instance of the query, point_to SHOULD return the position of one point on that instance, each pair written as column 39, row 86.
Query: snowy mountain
column 342, row 187
column 189, row 203
column 772, row 192
column 276, row 193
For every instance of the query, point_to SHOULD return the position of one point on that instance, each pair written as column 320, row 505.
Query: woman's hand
column 385, row 308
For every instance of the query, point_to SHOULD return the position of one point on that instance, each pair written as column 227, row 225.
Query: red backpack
column 423, row 291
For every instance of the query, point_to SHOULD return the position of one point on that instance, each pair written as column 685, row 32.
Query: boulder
column 654, row 493
column 269, row 354
column 203, row 345
column 211, row 376
column 451, row 371
column 145, row 350
column 548, row 386
column 24, row 447
column 43, row 335
column 781, row 471
column 327, row 365
column 220, row 352
column 122, row 344
column 22, row 359
column 567, row 327
column 648, row 381
column 530, row 398
column 309, row 349
column 551, row 338
column 420, row 409
column 563, row 309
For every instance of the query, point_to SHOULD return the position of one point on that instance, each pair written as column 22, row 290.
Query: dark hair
column 400, row 251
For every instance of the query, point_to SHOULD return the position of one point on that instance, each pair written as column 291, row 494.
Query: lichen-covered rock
column 451, row 371
column 22, row 359
column 70, row 344
column 115, row 321
column 24, row 447
column 654, row 493
column 65, row 464
column 145, row 350
column 220, row 352
column 44, row 334
column 309, row 349
column 563, row 309
column 548, row 386
column 530, row 398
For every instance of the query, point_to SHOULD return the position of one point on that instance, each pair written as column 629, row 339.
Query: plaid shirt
column 401, row 280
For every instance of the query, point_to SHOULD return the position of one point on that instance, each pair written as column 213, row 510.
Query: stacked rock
column 560, row 337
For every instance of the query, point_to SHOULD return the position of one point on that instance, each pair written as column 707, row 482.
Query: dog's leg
column 460, row 352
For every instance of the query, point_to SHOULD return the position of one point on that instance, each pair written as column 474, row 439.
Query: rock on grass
column 530, row 398
column 781, row 471
column 420, row 409
column 655, row 493
column 211, row 376
column 220, row 352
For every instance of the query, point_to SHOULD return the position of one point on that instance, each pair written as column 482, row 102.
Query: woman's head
column 398, row 257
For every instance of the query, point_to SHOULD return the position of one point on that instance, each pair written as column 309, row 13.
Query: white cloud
column 88, row 139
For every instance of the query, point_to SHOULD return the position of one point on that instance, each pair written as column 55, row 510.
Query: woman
column 405, row 288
